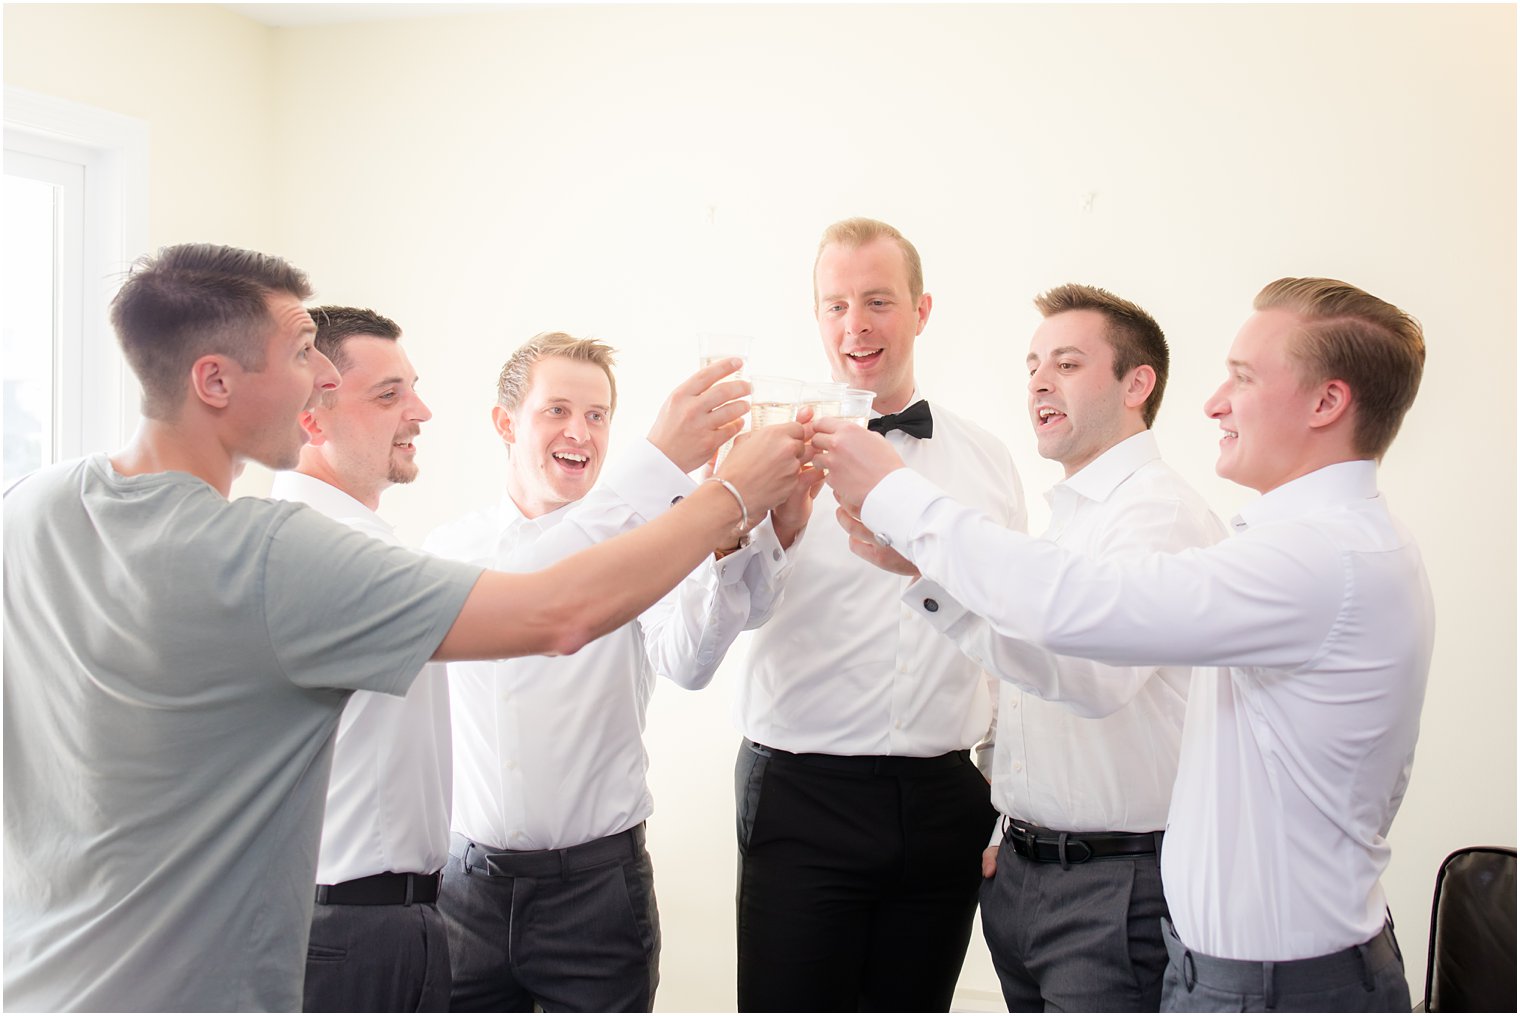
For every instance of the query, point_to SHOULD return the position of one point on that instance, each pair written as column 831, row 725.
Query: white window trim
column 114, row 151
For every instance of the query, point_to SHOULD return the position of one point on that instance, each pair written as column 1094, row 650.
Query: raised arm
column 593, row 592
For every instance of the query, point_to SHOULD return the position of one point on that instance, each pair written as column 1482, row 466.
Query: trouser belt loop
column 1061, row 851
column 1189, row 970
column 1159, row 834
column 1268, row 987
column 1361, row 952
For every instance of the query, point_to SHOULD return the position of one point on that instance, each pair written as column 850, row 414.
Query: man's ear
column 503, row 423
column 1334, row 402
column 314, row 433
column 212, row 379
column 925, row 305
column 1142, row 381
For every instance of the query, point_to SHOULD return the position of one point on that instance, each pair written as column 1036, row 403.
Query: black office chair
column 1471, row 966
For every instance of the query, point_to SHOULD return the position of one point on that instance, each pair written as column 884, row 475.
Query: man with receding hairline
column 861, row 813
column 1310, row 632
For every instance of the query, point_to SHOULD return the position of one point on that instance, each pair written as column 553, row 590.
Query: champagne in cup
column 715, row 346
column 774, row 400
column 823, row 397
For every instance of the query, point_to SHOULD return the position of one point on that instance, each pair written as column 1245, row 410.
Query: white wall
column 645, row 173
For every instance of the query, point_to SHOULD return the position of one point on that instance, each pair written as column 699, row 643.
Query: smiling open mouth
column 1048, row 417
column 572, row 461
column 864, row 357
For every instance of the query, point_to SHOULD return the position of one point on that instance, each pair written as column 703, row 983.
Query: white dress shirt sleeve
column 639, row 486
column 766, row 567
column 1088, row 688
column 1269, row 600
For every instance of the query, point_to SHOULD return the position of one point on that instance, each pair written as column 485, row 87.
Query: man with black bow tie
column 861, row 813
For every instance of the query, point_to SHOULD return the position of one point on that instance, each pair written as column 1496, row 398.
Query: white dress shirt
column 388, row 797
column 549, row 753
column 1103, row 758
column 843, row 667
column 1294, row 761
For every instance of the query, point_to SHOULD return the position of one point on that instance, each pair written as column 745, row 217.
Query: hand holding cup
column 701, row 414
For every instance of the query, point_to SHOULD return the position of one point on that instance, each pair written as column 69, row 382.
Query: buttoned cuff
column 768, row 547
column 731, row 565
column 648, row 481
column 894, row 508
column 929, row 600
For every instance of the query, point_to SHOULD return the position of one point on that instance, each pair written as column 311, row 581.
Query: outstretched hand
column 855, row 459
column 700, row 415
column 765, row 466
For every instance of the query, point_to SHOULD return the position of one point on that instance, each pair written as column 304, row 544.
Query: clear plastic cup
column 773, row 400
column 715, row 346
column 855, row 405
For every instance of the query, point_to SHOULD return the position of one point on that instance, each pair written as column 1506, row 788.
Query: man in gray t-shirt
column 175, row 665
column 173, row 692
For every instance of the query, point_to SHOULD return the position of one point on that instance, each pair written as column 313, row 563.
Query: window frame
column 97, row 396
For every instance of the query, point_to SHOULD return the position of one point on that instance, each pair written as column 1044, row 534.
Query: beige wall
column 200, row 76
column 645, row 173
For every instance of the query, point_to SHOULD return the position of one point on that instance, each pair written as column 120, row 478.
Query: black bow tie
column 915, row 421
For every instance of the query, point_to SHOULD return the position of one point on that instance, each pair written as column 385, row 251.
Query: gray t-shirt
column 175, row 666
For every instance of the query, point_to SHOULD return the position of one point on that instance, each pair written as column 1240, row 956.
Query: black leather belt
column 1047, row 846
column 867, row 765
column 386, row 889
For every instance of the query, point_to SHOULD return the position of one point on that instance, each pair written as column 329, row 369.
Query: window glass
column 30, row 325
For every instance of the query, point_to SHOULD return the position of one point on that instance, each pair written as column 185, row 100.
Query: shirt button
column 775, row 553
column 1013, row 703
column 511, row 764
column 931, row 604
column 1018, row 766
column 883, row 540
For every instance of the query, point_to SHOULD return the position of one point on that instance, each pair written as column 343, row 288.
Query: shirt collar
column 324, row 497
column 511, row 516
column 915, row 397
column 1340, row 483
column 1102, row 476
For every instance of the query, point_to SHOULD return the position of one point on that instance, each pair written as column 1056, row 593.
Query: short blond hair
column 857, row 232
column 1350, row 335
column 517, row 373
